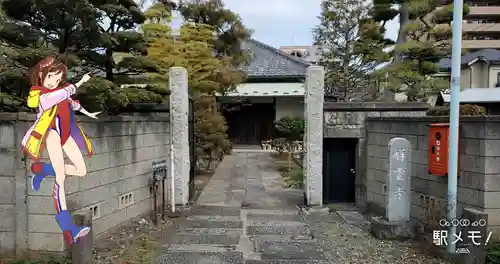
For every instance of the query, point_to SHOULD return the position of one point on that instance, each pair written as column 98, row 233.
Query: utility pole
column 456, row 46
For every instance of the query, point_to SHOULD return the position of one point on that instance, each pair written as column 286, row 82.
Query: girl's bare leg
column 42, row 170
column 78, row 168
column 71, row 232
column 56, row 156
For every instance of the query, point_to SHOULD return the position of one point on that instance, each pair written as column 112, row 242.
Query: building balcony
column 481, row 44
column 481, row 27
column 484, row 11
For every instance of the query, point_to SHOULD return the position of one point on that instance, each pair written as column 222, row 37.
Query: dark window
column 498, row 78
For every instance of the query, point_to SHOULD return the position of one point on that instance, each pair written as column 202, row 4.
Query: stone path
column 244, row 216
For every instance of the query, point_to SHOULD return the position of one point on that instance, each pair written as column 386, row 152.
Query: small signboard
column 159, row 170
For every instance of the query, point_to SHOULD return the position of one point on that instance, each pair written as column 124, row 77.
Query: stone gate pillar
column 179, row 123
column 313, row 136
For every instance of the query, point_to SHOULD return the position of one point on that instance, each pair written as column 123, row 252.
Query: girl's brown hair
column 48, row 65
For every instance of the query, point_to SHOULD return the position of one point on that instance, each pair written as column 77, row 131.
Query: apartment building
column 481, row 26
column 479, row 79
column 480, row 69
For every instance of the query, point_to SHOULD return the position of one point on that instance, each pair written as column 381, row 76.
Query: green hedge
column 493, row 254
column 465, row 110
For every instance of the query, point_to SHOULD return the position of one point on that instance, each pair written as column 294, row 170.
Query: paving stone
column 289, row 250
column 352, row 217
column 264, row 204
column 232, row 239
column 215, row 217
column 286, row 261
column 271, row 212
column 210, row 231
column 274, row 223
column 200, row 258
column 209, row 224
column 274, row 217
column 200, row 248
column 278, row 230
column 271, row 238
column 238, row 184
column 215, row 210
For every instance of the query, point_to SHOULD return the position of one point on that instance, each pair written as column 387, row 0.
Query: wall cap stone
column 375, row 106
column 436, row 119
column 23, row 116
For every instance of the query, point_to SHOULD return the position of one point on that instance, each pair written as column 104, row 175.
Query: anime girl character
column 57, row 130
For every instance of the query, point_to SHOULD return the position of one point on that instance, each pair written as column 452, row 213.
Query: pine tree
column 228, row 28
column 342, row 52
column 88, row 36
column 423, row 40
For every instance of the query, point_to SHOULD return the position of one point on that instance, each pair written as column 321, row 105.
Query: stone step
column 272, row 212
column 286, row 261
column 280, row 238
column 259, row 203
column 304, row 250
column 186, row 239
column 278, row 230
column 215, row 217
column 353, row 217
column 215, row 210
column 200, row 248
column 274, row 217
column 275, row 223
column 200, row 257
column 198, row 223
column 209, row 231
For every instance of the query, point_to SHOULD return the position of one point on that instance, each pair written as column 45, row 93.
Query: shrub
column 291, row 129
column 493, row 254
column 465, row 110
column 210, row 129
column 279, row 144
column 294, row 179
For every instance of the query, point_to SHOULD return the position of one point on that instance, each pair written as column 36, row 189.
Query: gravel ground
column 349, row 244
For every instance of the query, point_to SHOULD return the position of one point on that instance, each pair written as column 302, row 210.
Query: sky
column 281, row 22
column 285, row 22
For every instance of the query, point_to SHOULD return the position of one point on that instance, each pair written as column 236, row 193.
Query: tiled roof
column 486, row 54
column 267, row 61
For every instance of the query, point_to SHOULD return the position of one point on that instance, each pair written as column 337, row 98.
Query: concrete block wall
column 12, row 190
column 347, row 120
column 116, row 188
column 479, row 171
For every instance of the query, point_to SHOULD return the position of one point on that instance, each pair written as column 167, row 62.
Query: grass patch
column 135, row 243
column 294, row 178
column 51, row 260
column 142, row 251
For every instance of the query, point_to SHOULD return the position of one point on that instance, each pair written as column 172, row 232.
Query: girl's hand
column 83, row 80
column 93, row 115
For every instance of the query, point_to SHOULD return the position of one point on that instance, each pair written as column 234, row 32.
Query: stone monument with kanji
column 396, row 224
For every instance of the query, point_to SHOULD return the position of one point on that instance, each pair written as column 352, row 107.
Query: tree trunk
column 290, row 160
column 404, row 19
column 346, row 73
column 109, row 65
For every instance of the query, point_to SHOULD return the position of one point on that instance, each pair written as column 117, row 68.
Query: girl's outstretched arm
column 91, row 115
column 48, row 100
column 78, row 107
